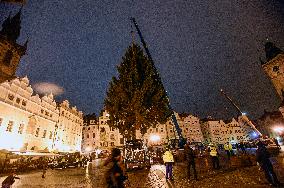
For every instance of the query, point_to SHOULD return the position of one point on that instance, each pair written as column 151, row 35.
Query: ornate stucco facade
column 30, row 122
column 218, row 131
column 97, row 134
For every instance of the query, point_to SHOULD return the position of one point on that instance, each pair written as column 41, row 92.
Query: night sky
column 197, row 46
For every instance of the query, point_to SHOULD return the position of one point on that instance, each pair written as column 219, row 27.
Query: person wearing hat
column 168, row 159
column 262, row 158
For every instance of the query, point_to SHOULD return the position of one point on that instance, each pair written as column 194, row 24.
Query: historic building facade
column 30, row 122
column 97, row 134
column 160, row 134
column 69, row 128
column 221, row 132
column 10, row 51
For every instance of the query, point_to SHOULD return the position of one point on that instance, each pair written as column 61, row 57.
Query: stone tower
column 274, row 67
column 10, row 51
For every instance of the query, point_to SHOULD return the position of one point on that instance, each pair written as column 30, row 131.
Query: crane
column 244, row 118
column 178, row 129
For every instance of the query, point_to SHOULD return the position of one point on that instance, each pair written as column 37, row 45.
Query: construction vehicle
column 181, row 140
column 136, row 155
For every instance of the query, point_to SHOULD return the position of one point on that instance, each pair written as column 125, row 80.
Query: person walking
column 214, row 156
column 115, row 175
column 8, row 182
column 168, row 159
column 262, row 158
column 190, row 158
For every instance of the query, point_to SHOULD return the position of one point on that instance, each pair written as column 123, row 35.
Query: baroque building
column 221, row 132
column 97, row 134
column 274, row 67
column 29, row 122
column 10, row 51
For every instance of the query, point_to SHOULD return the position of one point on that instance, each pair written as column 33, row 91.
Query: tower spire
column 11, row 27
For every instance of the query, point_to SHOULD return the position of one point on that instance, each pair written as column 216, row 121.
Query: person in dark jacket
column 190, row 158
column 262, row 157
column 115, row 175
column 8, row 182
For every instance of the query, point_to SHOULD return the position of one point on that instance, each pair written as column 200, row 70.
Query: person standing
column 168, row 159
column 214, row 156
column 262, row 157
column 226, row 148
column 190, row 158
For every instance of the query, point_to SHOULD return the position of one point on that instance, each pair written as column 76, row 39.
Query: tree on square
column 136, row 99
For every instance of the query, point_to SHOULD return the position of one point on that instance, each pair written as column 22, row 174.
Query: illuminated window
column 21, row 128
column 37, row 132
column 10, row 126
column 44, row 134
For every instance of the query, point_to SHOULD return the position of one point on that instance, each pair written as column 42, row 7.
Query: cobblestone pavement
column 93, row 177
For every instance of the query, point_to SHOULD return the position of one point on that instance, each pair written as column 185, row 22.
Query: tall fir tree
column 136, row 99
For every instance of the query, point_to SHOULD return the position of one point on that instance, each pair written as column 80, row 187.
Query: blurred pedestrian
column 190, row 158
column 8, row 182
column 115, row 175
column 262, row 157
column 168, row 159
column 214, row 156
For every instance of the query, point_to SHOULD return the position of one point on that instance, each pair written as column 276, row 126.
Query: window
column 11, row 97
column 24, row 103
column 94, row 135
column 10, row 126
column 1, row 120
column 44, row 134
column 121, row 141
column 89, row 128
column 88, row 136
column 18, row 100
column 8, row 58
column 21, row 128
column 50, row 134
column 275, row 68
column 37, row 132
column 41, row 111
column 112, row 144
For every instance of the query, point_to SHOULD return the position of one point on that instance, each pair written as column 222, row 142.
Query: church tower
column 274, row 67
column 10, row 51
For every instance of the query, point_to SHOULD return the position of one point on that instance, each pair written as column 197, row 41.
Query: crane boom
column 181, row 139
column 244, row 118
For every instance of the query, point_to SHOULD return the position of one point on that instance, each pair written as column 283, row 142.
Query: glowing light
column 278, row 129
column 88, row 149
column 244, row 113
column 11, row 142
column 98, row 151
column 155, row 138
